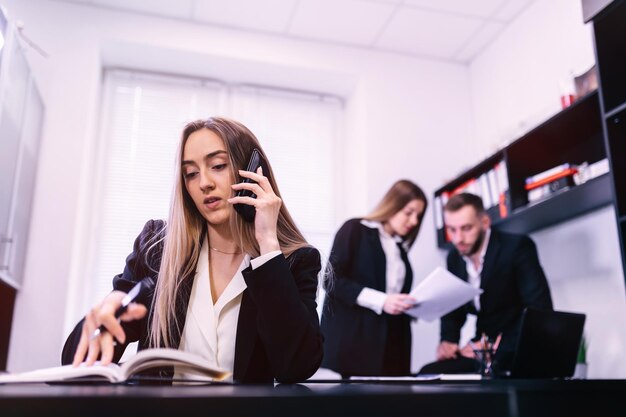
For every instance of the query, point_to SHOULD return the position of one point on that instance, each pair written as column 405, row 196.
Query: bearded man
column 506, row 267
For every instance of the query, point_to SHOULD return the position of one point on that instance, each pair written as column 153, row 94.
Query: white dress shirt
column 473, row 273
column 394, row 274
column 211, row 329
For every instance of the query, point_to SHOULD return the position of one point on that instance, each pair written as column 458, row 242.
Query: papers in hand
column 440, row 293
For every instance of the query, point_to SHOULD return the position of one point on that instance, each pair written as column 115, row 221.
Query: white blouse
column 394, row 273
column 474, row 273
column 210, row 329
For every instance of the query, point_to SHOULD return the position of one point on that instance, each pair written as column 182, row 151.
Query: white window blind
column 299, row 134
column 142, row 119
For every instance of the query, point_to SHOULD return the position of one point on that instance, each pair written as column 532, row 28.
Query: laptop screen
column 548, row 344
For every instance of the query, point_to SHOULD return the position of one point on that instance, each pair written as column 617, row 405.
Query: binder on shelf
column 563, row 173
column 501, row 177
column 561, row 184
column 478, row 185
column 548, row 173
column 554, row 179
column 468, row 186
column 582, row 176
column 503, row 188
column 587, row 171
column 598, row 168
column 438, row 213
column 440, row 202
column 493, row 186
column 485, row 191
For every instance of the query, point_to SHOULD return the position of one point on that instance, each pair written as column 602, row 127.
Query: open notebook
column 144, row 360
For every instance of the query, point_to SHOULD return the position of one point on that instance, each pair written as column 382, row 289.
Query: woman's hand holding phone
column 266, row 204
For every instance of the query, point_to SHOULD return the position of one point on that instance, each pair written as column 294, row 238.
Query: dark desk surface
column 518, row 398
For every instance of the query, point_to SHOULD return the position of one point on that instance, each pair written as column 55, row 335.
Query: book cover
column 547, row 173
column 549, row 189
column 569, row 172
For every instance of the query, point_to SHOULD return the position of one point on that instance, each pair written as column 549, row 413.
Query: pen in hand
column 129, row 298
column 497, row 342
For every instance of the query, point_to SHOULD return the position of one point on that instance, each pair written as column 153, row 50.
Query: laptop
column 548, row 344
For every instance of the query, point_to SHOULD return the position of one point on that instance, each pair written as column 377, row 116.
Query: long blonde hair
column 400, row 193
column 185, row 226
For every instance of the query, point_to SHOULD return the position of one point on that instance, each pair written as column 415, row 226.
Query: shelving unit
column 559, row 208
column 574, row 136
column 610, row 44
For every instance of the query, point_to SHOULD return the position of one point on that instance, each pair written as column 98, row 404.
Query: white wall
column 398, row 109
column 515, row 86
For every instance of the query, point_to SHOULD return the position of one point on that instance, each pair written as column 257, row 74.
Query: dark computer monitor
column 548, row 344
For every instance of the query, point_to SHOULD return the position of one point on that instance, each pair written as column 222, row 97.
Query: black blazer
column 278, row 334
column 354, row 336
column 512, row 279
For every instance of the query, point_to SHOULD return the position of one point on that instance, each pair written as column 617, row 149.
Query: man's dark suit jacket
column 512, row 279
column 278, row 334
column 355, row 336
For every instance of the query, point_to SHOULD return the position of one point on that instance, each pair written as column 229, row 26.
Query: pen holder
column 485, row 362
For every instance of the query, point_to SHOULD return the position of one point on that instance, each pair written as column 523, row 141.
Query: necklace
column 224, row 252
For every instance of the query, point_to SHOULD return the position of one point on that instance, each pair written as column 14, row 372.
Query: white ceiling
column 450, row 30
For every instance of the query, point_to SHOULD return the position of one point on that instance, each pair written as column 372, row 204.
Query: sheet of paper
column 461, row 377
column 439, row 293
column 429, row 377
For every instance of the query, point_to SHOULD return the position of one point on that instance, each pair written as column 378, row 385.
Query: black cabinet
column 610, row 42
column 573, row 136
column 616, row 143
column 609, row 28
column 7, row 301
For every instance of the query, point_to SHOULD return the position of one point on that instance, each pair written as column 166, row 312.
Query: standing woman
column 365, row 329
column 239, row 294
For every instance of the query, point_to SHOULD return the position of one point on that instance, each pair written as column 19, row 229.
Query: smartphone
column 247, row 211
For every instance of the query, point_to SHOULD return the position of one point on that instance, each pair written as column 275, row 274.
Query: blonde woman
column 366, row 331
column 242, row 295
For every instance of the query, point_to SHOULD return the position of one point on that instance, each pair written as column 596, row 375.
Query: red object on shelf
column 567, row 100
column 463, row 187
column 502, row 206
column 564, row 173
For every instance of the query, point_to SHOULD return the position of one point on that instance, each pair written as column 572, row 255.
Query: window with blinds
column 142, row 119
